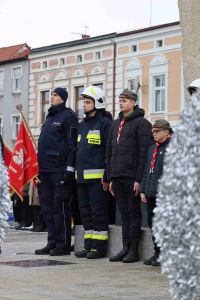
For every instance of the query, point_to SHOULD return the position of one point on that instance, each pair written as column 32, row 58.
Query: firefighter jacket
column 57, row 141
column 91, row 147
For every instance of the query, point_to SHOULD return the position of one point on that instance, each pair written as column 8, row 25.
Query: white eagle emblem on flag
column 19, row 157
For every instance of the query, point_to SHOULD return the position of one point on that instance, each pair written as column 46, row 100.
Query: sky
column 46, row 22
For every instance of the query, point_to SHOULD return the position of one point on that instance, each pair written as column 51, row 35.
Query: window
column 159, row 91
column 159, row 43
column 131, row 85
column 44, row 64
column 17, row 79
column 134, row 48
column 79, row 101
column 1, row 80
column 15, row 125
column 100, row 85
column 134, row 85
column 45, row 96
column 62, row 61
column 1, row 125
column 79, row 58
column 98, row 55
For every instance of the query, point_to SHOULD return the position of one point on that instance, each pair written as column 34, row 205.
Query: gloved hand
column 68, row 177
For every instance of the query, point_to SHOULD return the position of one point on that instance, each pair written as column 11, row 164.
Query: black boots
column 132, row 255
column 81, row 253
column 44, row 251
column 153, row 261
column 47, row 250
column 90, row 254
column 96, row 254
column 59, row 252
column 119, row 256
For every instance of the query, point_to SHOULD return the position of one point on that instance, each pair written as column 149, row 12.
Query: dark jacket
column 57, row 140
column 1, row 146
column 127, row 157
column 150, row 180
column 91, row 147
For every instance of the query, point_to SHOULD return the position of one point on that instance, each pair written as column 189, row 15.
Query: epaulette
column 72, row 112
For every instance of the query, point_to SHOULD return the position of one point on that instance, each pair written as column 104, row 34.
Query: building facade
column 152, row 58
column 147, row 60
column 73, row 65
column 14, row 82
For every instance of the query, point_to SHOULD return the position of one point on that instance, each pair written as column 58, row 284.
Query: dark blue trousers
column 55, row 204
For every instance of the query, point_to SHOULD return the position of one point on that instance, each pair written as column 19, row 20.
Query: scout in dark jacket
column 129, row 139
column 56, row 158
column 153, row 171
column 91, row 176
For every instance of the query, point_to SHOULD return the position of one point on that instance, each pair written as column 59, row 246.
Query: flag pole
column 20, row 109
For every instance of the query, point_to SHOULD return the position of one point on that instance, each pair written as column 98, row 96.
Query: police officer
column 56, row 158
column 90, row 166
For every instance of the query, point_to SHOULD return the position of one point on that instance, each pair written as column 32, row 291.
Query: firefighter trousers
column 93, row 205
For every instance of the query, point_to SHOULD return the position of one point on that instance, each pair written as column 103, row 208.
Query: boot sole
column 118, row 260
column 130, row 261
column 47, row 253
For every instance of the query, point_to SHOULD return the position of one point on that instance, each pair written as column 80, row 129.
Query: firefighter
column 56, row 159
column 91, row 174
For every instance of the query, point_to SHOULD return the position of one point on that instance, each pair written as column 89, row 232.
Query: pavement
column 23, row 275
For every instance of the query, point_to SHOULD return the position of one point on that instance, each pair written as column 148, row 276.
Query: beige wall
column 146, row 45
column 174, row 81
column 151, row 60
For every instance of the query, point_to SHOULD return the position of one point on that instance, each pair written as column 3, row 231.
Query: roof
column 14, row 52
column 99, row 38
column 73, row 43
column 148, row 28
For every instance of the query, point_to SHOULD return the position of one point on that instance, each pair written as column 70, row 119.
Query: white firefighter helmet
column 95, row 93
column 194, row 85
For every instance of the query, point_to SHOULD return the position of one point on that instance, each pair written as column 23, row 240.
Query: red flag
column 23, row 166
column 7, row 155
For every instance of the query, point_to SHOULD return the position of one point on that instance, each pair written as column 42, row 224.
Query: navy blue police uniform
column 56, row 158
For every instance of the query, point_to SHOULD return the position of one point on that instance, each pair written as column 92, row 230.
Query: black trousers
column 93, row 205
column 151, row 204
column 74, row 205
column 23, row 212
column 55, row 204
column 129, row 207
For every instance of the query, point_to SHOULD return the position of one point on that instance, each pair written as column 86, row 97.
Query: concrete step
column 115, row 241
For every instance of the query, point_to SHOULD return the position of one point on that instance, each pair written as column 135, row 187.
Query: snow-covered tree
column 4, row 198
column 177, row 215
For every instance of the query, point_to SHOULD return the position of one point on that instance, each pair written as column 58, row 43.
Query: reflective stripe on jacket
column 91, row 148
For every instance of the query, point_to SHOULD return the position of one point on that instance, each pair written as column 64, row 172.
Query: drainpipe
column 114, row 76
